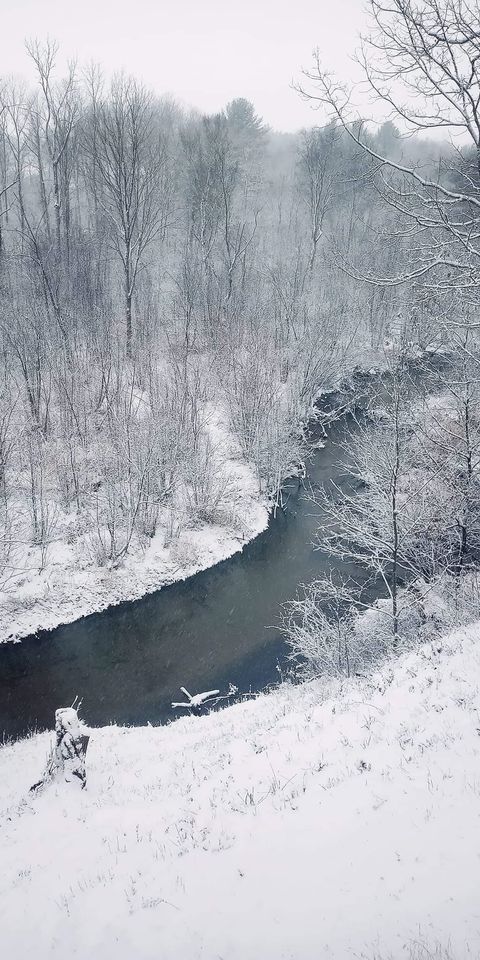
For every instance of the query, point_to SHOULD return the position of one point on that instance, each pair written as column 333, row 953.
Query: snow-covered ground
column 309, row 823
column 73, row 583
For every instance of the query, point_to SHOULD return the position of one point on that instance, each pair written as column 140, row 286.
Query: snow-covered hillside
column 299, row 825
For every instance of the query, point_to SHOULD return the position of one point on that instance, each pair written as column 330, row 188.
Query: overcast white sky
column 204, row 52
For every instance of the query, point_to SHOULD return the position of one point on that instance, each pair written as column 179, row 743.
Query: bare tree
column 54, row 119
column 421, row 60
column 15, row 111
column 449, row 435
column 8, row 176
column 221, row 226
column 318, row 178
column 128, row 158
column 384, row 517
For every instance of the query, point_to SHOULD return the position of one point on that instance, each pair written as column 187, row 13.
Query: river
column 127, row 663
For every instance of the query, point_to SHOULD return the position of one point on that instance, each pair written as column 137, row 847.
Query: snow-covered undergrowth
column 310, row 823
column 73, row 583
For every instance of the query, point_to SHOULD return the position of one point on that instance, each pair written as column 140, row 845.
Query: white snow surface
column 314, row 822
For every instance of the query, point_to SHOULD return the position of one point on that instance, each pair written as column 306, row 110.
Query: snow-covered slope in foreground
column 289, row 827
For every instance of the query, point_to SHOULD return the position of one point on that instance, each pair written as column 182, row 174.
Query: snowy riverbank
column 68, row 579
column 73, row 584
column 291, row 827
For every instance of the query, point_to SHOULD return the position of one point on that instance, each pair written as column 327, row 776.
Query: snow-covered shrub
column 209, row 489
column 447, row 602
column 111, row 537
column 184, row 552
column 174, row 521
column 328, row 635
column 373, row 626
column 321, row 633
column 252, row 394
column 265, row 417
column 280, row 452
column 418, row 949
column 7, row 547
column 40, row 492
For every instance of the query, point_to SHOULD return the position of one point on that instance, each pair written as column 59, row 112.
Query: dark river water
column 219, row 627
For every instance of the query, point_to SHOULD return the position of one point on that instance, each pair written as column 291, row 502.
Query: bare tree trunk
column 128, row 311
column 41, row 177
column 56, row 204
column 394, row 584
column 465, row 520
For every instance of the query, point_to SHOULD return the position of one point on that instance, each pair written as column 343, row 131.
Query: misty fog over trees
column 157, row 265
column 151, row 261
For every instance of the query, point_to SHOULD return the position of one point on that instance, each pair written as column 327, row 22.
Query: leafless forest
column 154, row 262
column 160, row 268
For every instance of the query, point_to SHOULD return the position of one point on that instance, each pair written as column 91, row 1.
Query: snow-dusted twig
column 197, row 700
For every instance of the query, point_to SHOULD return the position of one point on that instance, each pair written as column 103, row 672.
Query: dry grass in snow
column 295, row 826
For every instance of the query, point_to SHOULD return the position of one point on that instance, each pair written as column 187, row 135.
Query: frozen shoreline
column 73, row 586
column 109, row 588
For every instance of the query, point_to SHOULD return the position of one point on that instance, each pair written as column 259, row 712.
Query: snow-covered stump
column 67, row 759
column 71, row 745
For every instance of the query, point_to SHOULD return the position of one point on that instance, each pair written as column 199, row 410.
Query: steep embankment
column 291, row 827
